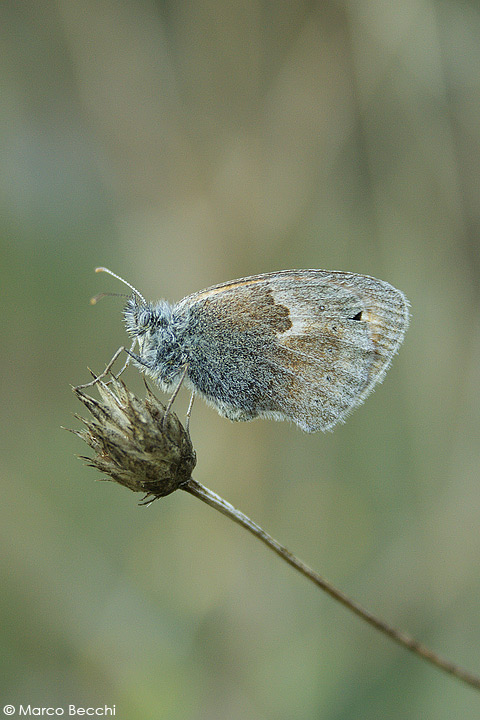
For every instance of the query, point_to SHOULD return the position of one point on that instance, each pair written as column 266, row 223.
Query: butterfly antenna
column 104, row 269
column 94, row 300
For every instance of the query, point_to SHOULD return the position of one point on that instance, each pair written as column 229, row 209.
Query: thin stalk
column 210, row 498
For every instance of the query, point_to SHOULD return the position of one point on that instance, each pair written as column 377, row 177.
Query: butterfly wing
column 303, row 345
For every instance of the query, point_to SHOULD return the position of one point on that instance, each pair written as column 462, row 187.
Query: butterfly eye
column 144, row 319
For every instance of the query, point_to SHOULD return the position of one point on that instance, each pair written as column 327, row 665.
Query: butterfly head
column 153, row 326
column 144, row 319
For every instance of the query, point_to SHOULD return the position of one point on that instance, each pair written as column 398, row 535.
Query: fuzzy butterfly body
column 300, row 345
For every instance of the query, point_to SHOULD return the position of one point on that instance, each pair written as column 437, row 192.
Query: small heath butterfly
column 300, row 345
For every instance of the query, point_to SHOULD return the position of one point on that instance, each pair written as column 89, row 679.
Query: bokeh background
column 184, row 144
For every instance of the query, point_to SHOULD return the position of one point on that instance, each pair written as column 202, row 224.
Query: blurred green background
column 184, row 144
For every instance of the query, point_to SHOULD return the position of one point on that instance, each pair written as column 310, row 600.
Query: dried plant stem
column 215, row 501
column 139, row 444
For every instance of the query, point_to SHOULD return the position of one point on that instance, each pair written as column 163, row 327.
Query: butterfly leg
column 174, row 395
column 106, row 371
column 127, row 361
column 189, row 412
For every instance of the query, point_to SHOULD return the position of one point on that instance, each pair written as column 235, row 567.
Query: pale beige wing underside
column 326, row 339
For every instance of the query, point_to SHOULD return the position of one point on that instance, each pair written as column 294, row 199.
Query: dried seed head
column 136, row 444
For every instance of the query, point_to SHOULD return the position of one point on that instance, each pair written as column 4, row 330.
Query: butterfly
column 301, row 345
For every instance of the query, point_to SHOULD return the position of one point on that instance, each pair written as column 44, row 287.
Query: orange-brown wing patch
column 246, row 305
